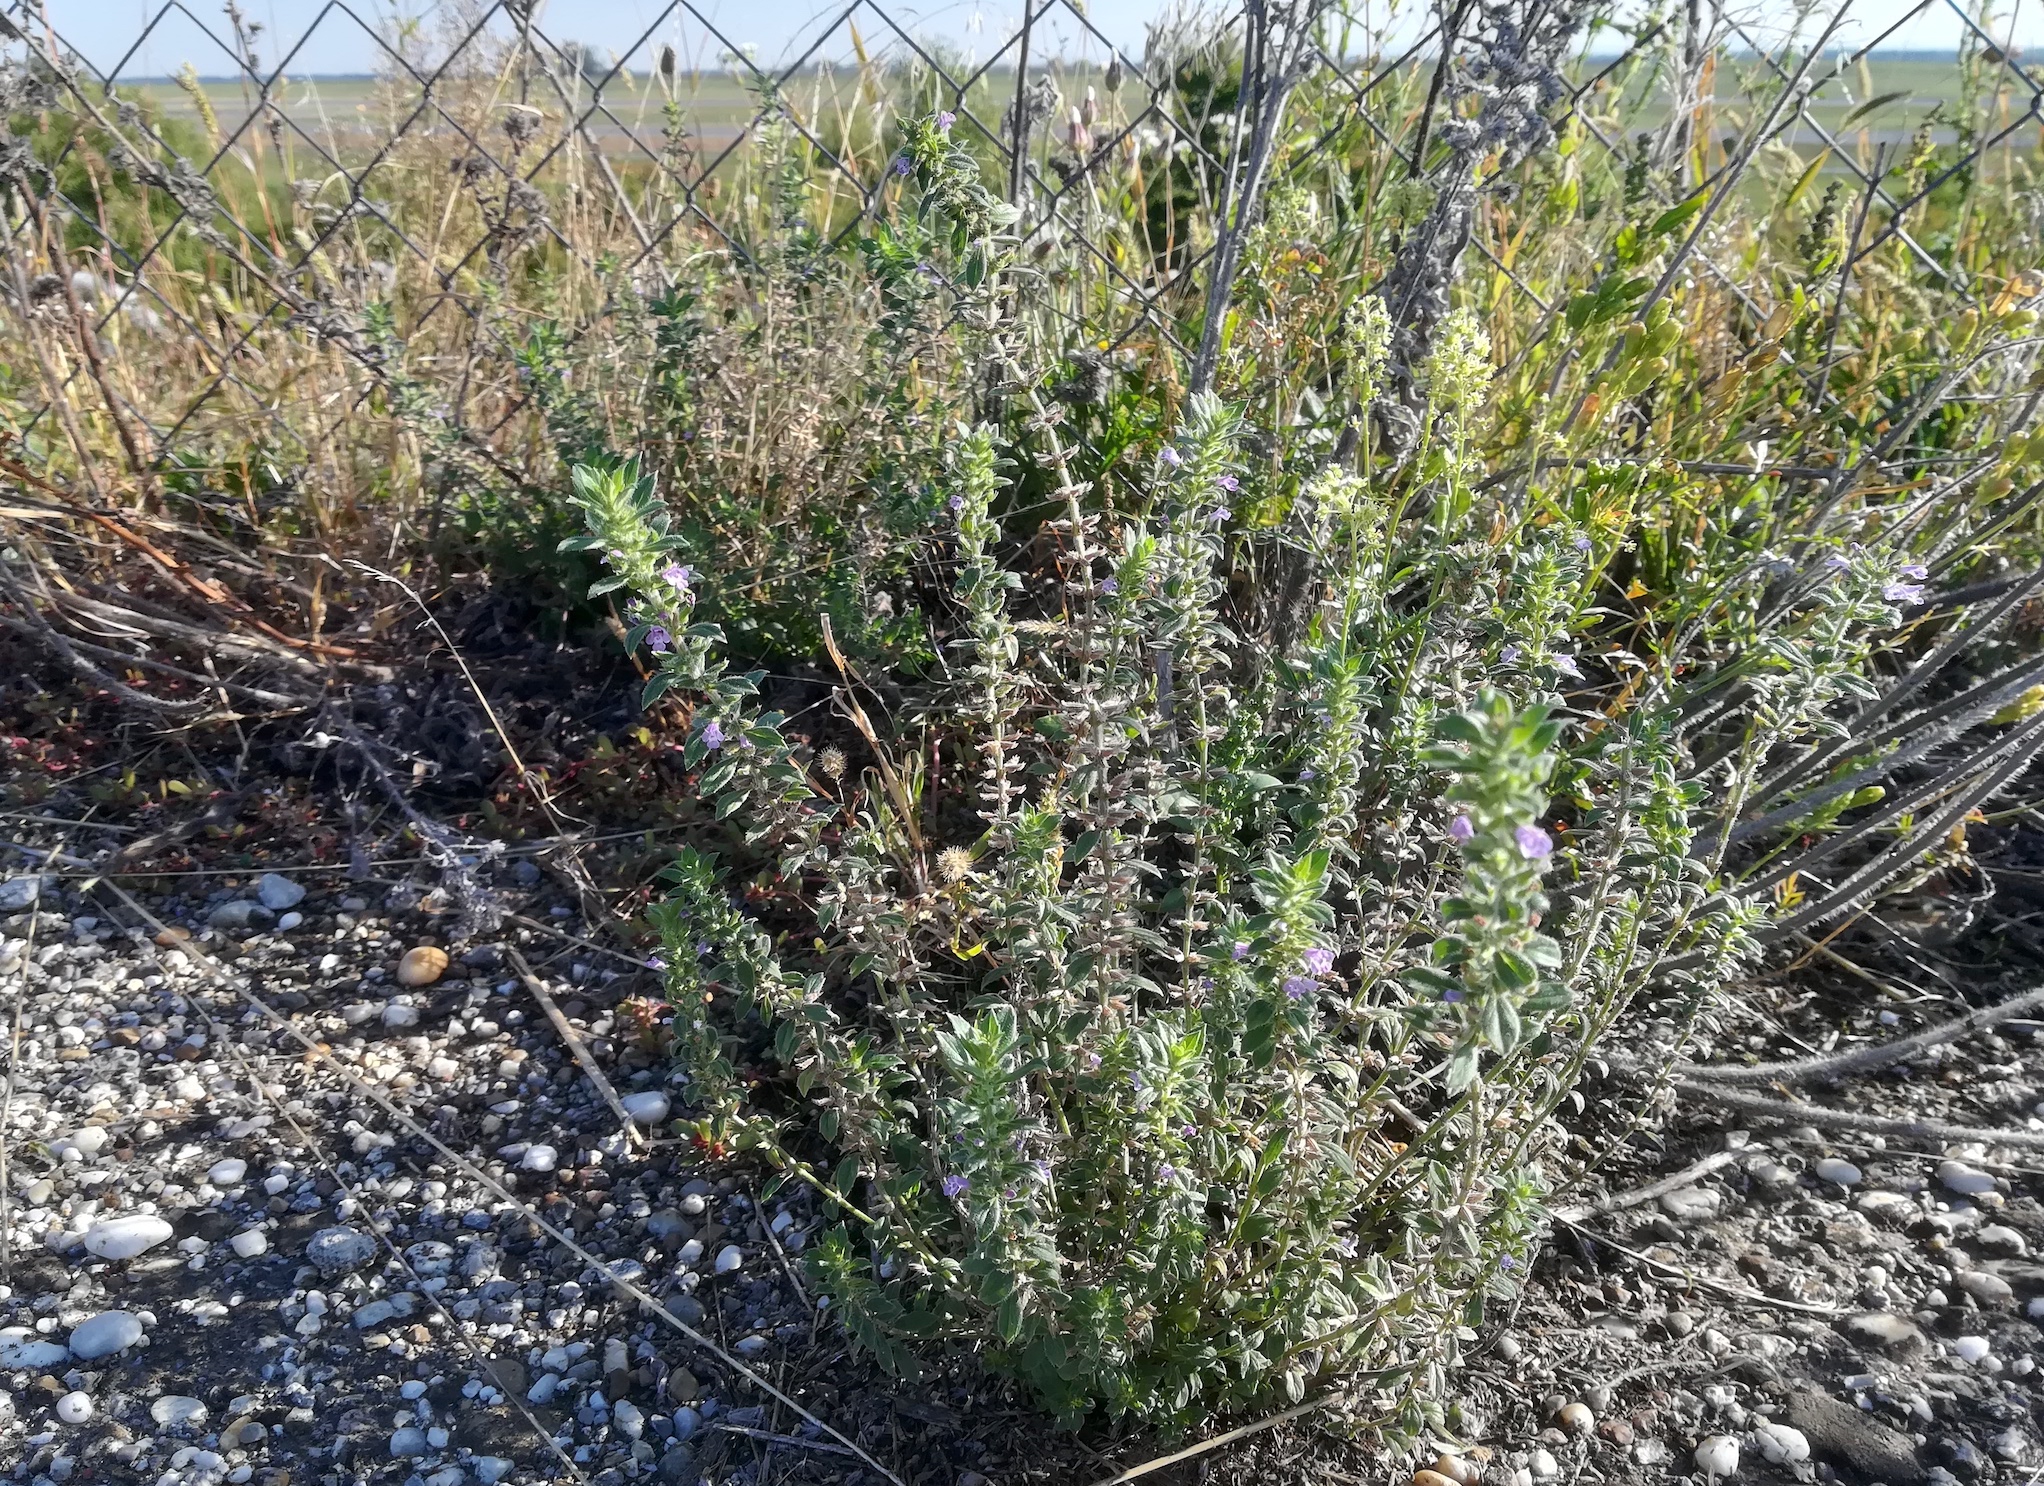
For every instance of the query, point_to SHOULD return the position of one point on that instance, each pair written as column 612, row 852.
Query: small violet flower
column 1318, row 961
column 1110, row 586
column 1451, row 996
column 1582, row 544
column 1296, row 987
column 954, row 1185
column 1534, row 842
column 713, row 735
column 1509, row 656
column 903, row 165
column 1229, row 483
column 678, row 575
column 1241, row 951
column 1170, row 456
column 1218, row 515
column 1461, row 829
column 1902, row 593
column 1566, row 664
column 945, row 120
column 955, row 504
column 657, row 638
column 654, row 962
column 1167, row 1172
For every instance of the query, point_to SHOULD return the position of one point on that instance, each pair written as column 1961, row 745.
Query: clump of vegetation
column 1254, row 784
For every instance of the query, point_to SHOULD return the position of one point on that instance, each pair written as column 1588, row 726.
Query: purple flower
column 1186, row 1132
column 1914, row 570
column 1229, row 482
column 654, row 962
column 903, row 165
column 658, row 639
column 1296, row 987
column 1451, row 996
column 953, row 1185
column 1509, row 656
column 1582, row 544
column 1170, row 456
column 1838, row 562
column 1462, row 829
column 1241, row 951
column 1566, row 664
column 1534, row 842
column 1902, row 593
column 1218, row 514
column 1041, row 1167
column 1110, row 585
column 955, row 504
column 1306, row 775
column 713, row 735
column 1167, row 1172
column 1318, row 961
column 1135, row 1081
column 678, row 575
column 1092, row 1060
column 1507, row 1263
column 613, row 557
column 945, row 120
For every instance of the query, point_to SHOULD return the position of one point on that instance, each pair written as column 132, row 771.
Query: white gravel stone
column 17, row 893
column 74, row 1408
column 407, row 1443
column 105, row 1334
column 88, row 1141
column 248, row 1244
column 630, row 1422
column 23, row 1349
column 231, row 1172
column 1957, row 1176
column 400, row 1014
column 539, row 1158
column 687, row 1423
column 730, row 1257
column 176, row 1411
column 1718, row 1456
column 490, row 1469
column 275, row 891
column 1779, row 1444
column 126, row 1238
column 1844, row 1173
column 1970, row 1349
column 336, row 1251
column 648, row 1107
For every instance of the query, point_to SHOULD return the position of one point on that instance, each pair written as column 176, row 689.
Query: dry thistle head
column 832, row 762
column 954, row 864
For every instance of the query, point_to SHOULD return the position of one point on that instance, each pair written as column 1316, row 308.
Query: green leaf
column 846, row 1176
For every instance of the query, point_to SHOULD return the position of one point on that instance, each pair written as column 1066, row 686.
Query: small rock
column 1542, row 1464
column 278, row 892
column 176, row 1411
column 229, row 1173
column 1841, row 1435
column 1957, row 1176
column 686, row 1423
column 249, row 1244
column 1432, row 1478
column 1970, row 1349
column 646, row 1108
column 1882, row 1329
column 23, row 1349
column 74, row 1408
column 1844, row 1173
column 240, row 914
column 17, row 893
column 729, row 1257
column 290, row 921
column 338, row 1251
column 1458, row 1470
column 105, row 1334
column 1718, row 1456
column 540, row 1158
column 421, row 965
column 1781, row 1444
column 126, row 1238
column 627, row 1418
column 1691, row 1204
column 1989, row 1290
column 1576, row 1418
column 1999, row 1238
column 682, row 1386
column 407, row 1443
column 400, row 1014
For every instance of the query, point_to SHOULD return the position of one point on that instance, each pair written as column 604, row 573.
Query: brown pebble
column 1433, row 1478
column 421, row 965
column 1576, row 1418
column 171, row 937
column 682, row 1386
column 1457, row 1470
column 1617, row 1431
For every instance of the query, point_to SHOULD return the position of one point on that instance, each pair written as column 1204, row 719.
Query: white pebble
column 630, row 1422
column 1957, row 1176
column 74, row 1408
column 250, row 1243
column 175, row 1410
column 1970, row 1349
column 729, row 1257
column 105, row 1334
column 1779, row 1444
column 1844, row 1173
column 540, row 1158
column 399, row 1014
column 646, row 1108
column 229, row 1173
column 126, row 1238
column 1718, row 1456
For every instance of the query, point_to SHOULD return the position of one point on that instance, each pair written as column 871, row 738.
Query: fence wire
column 275, row 216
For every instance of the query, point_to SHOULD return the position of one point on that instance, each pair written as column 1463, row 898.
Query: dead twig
column 1834, row 1066
column 1795, row 1112
column 1620, row 1201
column 575, row 1045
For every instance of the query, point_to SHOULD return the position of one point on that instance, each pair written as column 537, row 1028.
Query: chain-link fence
column 268, row 256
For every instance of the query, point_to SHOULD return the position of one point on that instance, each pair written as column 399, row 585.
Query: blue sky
column 104, row 29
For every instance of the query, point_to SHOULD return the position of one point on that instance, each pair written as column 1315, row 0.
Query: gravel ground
column 229, row 1260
